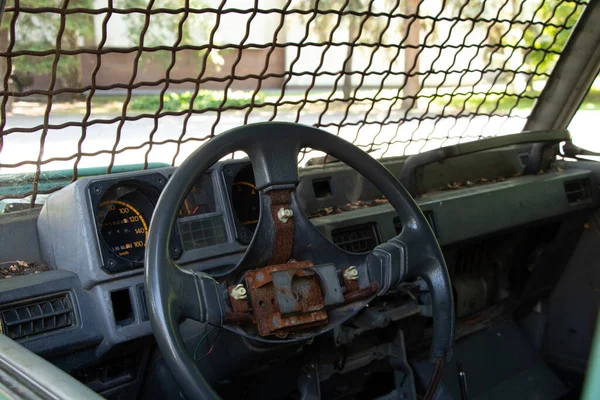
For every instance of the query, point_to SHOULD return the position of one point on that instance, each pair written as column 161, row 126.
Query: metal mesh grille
column 394, row 77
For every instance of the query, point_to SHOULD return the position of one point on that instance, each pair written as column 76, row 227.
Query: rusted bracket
column 289, row 295
column 294, row 296
column 285, row 296
column 284, row 231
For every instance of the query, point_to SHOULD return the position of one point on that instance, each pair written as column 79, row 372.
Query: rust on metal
column 238, row 305
column 284, row 232
column 361, row 294
column 297, row 285
column 350, row 285
column 239, row 318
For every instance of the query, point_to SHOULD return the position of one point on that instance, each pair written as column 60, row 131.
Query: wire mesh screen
column 113, row 82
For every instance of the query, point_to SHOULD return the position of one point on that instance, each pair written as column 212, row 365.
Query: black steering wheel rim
column 273, row 148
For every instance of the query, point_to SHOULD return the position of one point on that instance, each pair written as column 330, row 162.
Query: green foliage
column 205, row 99
column 499, row 103
column 39, row 32
column 549, row 38
column 549, row 24
column 470, row 103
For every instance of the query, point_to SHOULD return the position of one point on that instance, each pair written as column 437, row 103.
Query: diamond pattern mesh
column 113, row 82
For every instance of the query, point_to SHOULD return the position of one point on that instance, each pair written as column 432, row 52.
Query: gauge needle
column 195, row 209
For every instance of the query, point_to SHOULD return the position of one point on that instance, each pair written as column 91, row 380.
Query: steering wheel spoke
column 196, row 295
column 274, row 162
column 409, row 255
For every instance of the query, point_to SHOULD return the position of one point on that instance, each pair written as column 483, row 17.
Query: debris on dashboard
column 482, row 181
column 9, row 269
column 325, row 211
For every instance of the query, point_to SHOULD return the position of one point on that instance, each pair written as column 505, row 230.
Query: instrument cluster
column 123, row 210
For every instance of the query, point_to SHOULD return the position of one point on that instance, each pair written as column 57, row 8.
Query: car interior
column 308, row 265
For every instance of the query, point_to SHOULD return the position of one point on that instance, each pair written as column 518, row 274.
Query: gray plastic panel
column 87, row 332
column 472, row 212
column 114, row 334
column 69, row 241
column 459, row 215
column 67, row 231
column 18, row 231
column 68, row 238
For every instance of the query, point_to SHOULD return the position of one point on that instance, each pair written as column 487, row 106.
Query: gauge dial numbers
column 122, row 217
column 123, row 228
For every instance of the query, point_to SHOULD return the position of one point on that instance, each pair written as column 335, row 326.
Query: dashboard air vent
column 357, row 239
column 39, row 316
column 578, row 191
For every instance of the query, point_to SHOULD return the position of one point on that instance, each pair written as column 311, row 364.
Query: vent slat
column 39, row 316
column 578, row 191
column 356, row 239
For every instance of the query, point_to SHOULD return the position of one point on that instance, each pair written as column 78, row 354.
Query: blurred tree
column 3, row 64
column 370, row 29
column 38, row 32
column 163, row 29
column 499, row 36
column 529, row 47
column 550, row 38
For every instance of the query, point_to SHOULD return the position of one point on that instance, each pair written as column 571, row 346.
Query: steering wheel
column 292, row 283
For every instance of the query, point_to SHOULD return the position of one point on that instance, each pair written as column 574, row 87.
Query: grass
column 205, row 99
column 463, row 103
column 482, row 104
column 503, row 103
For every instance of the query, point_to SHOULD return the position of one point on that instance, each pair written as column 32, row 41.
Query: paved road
column 411, row 137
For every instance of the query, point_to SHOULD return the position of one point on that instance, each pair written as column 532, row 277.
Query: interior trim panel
column 110, row 306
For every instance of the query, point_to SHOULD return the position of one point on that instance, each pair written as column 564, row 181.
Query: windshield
column 109, row 83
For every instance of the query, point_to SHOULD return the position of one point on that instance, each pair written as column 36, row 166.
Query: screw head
column 239, row 292
column 284, row 214
column 351, row 273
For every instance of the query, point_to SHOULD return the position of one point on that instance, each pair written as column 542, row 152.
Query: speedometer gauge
column 122, row 219
column 124, row 229
column 122, row 211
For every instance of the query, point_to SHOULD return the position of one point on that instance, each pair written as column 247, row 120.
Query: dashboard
column 122, row 210
column 111, row 216
column 92, row 234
